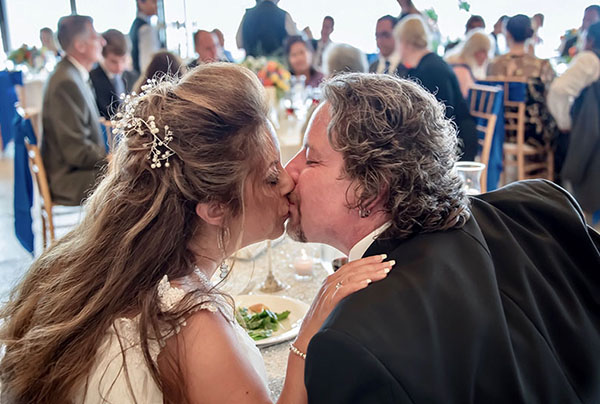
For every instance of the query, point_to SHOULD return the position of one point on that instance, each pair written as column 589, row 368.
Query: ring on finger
column 338, row 285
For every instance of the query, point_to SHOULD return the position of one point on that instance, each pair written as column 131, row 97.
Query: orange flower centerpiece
column 272, row 75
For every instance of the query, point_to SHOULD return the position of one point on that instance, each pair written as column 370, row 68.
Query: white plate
column 289, row 327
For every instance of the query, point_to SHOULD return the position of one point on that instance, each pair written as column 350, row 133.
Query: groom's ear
column 379, row 200
column 211, row 212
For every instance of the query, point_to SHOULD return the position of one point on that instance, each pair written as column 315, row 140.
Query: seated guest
column 206, row 47
column 493, row 298
column 339, row 58
column 344, row 58
column 435, row 75
column 223, row 54
column 388, row 61
column 583, row 70
column 540, row 127
column 471, row 57
column 110, row 78
column 299, row 56
column 72, row 148
column 162, row 64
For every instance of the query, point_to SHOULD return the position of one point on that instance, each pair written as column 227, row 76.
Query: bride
column 121, row 310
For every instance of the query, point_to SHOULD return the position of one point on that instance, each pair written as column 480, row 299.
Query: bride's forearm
column 293, row 391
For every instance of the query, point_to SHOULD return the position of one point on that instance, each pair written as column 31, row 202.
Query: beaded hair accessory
column 128, row 124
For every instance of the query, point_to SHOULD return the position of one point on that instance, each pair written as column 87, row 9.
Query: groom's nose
column 294, row 166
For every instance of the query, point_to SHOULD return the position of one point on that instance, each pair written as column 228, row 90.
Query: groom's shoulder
column 429, row 269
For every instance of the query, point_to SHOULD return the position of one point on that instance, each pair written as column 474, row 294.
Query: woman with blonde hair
column 470, row 60
column 121, row 309
column 430, row 70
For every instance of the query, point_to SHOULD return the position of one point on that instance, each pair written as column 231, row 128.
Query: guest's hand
column 350, row 278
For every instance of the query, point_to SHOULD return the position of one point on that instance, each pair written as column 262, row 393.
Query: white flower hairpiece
column 127, row 124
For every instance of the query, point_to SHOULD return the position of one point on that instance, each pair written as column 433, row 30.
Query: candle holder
column 271, row 284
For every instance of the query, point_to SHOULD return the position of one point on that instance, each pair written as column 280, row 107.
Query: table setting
column 278, row 276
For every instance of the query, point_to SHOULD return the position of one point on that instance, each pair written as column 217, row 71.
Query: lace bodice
column 107, row 381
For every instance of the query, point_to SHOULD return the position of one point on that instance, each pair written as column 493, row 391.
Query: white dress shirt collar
column 147, row 18
column 394, row 60
column 85, row 75
column 363, row 245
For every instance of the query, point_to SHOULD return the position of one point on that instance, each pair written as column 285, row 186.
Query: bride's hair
column 138, row 225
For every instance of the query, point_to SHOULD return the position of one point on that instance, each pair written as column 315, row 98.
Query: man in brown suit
column 73, row 147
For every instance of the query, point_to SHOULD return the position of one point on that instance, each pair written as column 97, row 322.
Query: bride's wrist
column 301, row 343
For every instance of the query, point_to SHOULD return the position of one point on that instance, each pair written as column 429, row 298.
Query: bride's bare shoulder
column 215, row 368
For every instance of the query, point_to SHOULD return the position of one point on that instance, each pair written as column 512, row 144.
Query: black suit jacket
column 400, row 69
column 504, row 310
column 106, row 98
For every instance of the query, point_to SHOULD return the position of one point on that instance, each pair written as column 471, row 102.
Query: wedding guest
column 338, row 58
column 48, row 43
column 111, row 78
column 493, row 298
column 498, row 34
column 344, row 58
column 435, row 75
column 264, row 29
column 72, row 146
column 388, row 60
column 571, row 45
column 163, row 64
column 299, row 55
column 205, row 45
column 537, row 22
column 583, row 70
column 122, row 309
column 143, row 35
column 324, row 42
column 540, row 126
column 471, row 58
column 474, row 22
column 224, row 54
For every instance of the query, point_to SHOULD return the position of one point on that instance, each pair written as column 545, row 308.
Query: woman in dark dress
column 430, row 70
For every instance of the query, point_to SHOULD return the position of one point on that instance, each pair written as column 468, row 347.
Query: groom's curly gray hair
column 395, row 139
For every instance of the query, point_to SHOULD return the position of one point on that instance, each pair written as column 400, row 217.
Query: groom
column 494, row 298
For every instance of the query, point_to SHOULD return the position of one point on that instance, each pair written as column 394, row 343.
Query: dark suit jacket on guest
column 107, row 99
column 400, row 69
column 504, row 310
column 437, row 76
column 72, row 148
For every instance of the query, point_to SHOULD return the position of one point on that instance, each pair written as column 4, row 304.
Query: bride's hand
column 350, row 278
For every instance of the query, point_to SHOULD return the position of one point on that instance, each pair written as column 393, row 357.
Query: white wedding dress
column 107, row 381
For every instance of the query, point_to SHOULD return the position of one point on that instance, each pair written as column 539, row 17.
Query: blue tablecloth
column 23, row 187
column 495, row 163
column 8, row 98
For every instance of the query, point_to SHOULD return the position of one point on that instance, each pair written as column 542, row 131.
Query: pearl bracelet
column 296, row 351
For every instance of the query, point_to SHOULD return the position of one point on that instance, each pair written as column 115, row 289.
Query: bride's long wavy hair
column 138, row 226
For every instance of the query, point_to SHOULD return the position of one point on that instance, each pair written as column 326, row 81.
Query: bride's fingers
column 361, row 273
column 355, row 265
column 357, row 281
